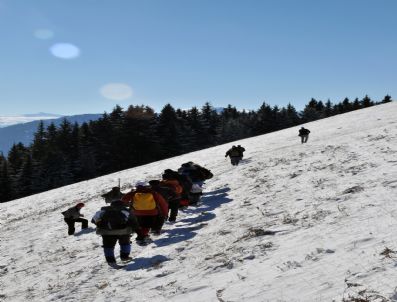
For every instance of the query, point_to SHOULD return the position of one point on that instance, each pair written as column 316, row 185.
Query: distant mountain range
column 6, row 121
column 22, row 127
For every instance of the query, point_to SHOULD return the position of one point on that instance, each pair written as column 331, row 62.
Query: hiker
column 168, row 191
column 241, row 150
column 184, row 181
column 195, row 172
column 72, row 215
column 234, row 155
column 113, row 195
column 195, row 194
column 174, row 185
column 149, row 207
column 115, row 223
column 304, row 134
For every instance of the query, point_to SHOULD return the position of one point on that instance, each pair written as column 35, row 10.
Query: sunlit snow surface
column 331, row 202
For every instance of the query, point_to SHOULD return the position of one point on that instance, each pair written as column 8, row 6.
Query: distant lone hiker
column 304, row 134
column 73, row 215
column 241, row 150
column 234, row 154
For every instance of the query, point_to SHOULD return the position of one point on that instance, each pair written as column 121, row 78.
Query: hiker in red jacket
column 149, row 207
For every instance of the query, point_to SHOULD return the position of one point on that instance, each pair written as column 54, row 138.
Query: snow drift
column 292, row 222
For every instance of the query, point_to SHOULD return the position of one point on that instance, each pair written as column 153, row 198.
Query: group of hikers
column 148, row 205
column 142, row 210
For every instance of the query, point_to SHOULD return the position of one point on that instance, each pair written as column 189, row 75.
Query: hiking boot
column 110, row 260
column 141, row 242
column 126, row 259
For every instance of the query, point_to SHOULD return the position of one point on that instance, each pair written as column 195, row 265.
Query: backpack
column 113, row 219
column 235, row 152
column 143, row 202
column 173, row 185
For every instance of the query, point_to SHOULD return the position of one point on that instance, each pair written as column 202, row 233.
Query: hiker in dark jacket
column 304, row 134
column 115, row 223
column 177, row 189
column 72, row 215
column 170, row 196
column 234, row 155
column 241, row 150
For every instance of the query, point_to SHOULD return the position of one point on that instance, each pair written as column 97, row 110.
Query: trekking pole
column 119, row 184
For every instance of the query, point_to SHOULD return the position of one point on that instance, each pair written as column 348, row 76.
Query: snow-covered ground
column 293, row 222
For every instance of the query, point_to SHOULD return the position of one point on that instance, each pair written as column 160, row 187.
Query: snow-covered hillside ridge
column 292, row 222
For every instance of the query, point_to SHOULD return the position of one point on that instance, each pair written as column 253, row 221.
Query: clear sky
column 86, row 56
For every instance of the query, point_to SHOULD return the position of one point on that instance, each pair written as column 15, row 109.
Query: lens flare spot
column 43, row 34
column 65, row 51
column 116, row 91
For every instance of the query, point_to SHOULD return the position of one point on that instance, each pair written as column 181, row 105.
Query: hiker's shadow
column 176, row 235
column 245, row 161
column 84, row 231
column 218, row 191
column 146, row 263
column 210, row 202
column 190, row 225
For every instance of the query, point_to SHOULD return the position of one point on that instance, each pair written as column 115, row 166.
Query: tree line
column 123, row 139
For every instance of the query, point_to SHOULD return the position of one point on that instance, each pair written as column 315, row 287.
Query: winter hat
column 80, row 205
column 142, row 183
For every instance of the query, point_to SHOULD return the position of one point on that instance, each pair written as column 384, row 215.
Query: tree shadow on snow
column 85, row 231
column 144, row 263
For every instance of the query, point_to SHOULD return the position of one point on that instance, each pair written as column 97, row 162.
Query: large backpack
column 173, row 184
column 235, row 152
column 143, row 201
column 113, row 219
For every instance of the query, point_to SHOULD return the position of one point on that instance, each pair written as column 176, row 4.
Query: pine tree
column 87, row 153
column 168, row 132
column 5, row 181
column 25, row 177
column 328, row 109
column 366, row 102
column 265, row 120
column 356, row 104
column 386, row 99
column 310, row 112
column 346, row 105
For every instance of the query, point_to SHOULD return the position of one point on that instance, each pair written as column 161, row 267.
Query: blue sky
column 187, row 52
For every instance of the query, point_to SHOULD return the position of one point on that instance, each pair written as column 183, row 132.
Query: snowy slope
column 330, row 205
